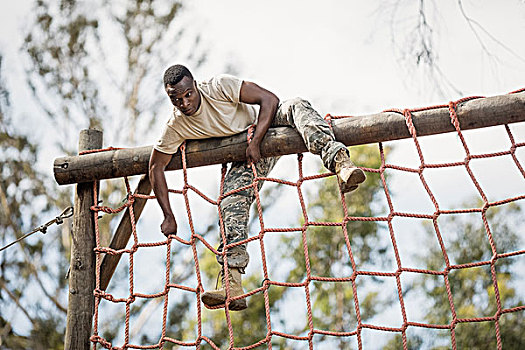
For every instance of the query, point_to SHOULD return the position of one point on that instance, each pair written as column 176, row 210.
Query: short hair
column 175, row 73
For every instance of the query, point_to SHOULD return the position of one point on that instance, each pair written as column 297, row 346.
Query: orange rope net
column 195, row 237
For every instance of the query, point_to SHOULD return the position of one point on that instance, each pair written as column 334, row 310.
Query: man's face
column 184, row 96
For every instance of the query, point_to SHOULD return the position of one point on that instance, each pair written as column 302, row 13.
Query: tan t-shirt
column 220, row 114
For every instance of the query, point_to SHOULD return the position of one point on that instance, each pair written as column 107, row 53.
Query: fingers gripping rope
column 66, row 213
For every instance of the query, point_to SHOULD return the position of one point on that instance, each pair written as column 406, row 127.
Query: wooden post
column 123, row 233
column 82, row 268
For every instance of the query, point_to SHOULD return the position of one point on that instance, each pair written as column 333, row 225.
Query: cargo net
column 306, row 339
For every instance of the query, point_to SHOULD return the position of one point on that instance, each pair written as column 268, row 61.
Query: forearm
column 253, row 94
column 160, row 188
column 267, row 110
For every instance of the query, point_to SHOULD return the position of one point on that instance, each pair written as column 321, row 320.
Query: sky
column 347, row 58
column 343, row 50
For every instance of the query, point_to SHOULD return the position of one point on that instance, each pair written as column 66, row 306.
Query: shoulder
column 221, row 82
column 223, row 86
column 226, row 79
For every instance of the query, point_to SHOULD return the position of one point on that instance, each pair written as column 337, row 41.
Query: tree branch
column 16, row 300
column 472, row 22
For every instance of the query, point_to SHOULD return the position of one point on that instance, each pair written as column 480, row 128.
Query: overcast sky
column 343, row 50
column 344, row 57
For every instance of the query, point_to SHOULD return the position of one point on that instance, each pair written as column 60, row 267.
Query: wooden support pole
column 380, row 127
column 82, row 269
column 123, row 233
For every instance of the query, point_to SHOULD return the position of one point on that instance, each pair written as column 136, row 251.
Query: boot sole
column 210, row 300
column 235, row 305
column 238, row 305
column 356, row 177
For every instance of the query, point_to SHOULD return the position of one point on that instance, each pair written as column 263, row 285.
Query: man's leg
column 235, row 211
column 320, row 139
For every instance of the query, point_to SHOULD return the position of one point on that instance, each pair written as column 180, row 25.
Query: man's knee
column 298, row 102
column 290, row 109
column 236, row 206
column 239, row 175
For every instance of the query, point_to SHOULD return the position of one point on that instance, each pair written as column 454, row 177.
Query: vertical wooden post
column 82, row 269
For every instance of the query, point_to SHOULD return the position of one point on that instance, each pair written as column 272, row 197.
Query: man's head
column 182, row 89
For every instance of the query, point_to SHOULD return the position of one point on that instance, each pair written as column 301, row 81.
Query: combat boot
column 218, row 296
column 348, row 175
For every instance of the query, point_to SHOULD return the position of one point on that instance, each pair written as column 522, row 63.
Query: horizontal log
column 379, row 127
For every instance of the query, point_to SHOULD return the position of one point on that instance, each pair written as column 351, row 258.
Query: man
column 224, row 106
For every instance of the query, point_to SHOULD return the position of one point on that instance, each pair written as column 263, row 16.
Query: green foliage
column 473, row 293
column 79, row 80
column 329, row 252
column 397, row 343
column 46, row 334
column 58, row 48
column 249, row 326
column 25, row 201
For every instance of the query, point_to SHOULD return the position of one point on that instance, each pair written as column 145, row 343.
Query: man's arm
column 157, row 164
column 252, row 93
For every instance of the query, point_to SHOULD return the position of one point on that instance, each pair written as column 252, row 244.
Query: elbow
column 151, row 166
column 150, row 170
column 151, row 173
column 157, row 164
column 274, row 101
column 153, row 169
column 271, row 101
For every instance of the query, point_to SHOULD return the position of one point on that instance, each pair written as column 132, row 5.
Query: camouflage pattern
column 315, row 131
column 235, row 209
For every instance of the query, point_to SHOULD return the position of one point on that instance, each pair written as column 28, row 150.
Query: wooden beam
column 82, row 274
column 123, row 233
column 380, row 127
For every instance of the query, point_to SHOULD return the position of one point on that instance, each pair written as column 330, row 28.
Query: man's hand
column 253, row 94
column 169, row 226
column 157, row 164
column 253, row 152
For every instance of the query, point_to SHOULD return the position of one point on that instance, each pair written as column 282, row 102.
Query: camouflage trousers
column 235, row 209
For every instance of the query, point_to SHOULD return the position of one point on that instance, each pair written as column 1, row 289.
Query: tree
column 327, row 248
column 415, row 27
column 249, row 326
column 414, row 343
column 472, row 289
column 79, row 80
column 328, row 252
column 24, row 189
